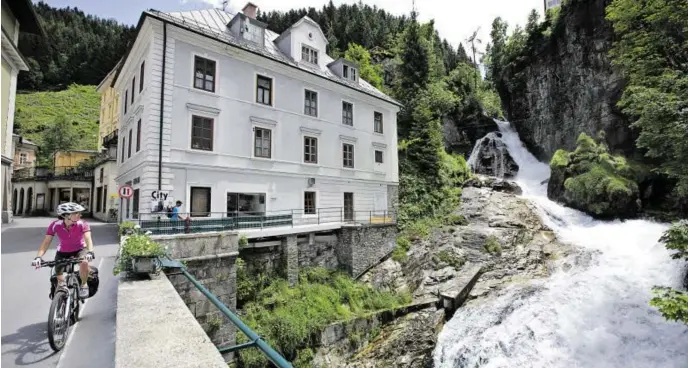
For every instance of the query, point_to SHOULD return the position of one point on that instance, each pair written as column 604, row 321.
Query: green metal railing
column 256, row 341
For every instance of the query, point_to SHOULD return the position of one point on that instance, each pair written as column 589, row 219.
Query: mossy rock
column 592, row 180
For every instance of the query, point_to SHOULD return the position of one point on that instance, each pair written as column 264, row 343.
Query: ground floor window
column 309, row 203
column 99, row 199
column 82, row 196
column 348, row 206
column 245, row 204
column 200, row 202
column 135, row 213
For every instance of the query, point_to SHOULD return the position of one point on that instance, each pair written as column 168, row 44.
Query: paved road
column 25, row 302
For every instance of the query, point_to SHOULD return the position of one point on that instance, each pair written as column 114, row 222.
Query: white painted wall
column 231, row 165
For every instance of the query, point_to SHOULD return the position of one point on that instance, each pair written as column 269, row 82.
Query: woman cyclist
column 74, row 236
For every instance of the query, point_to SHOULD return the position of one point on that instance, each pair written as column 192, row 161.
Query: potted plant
column 138, row 254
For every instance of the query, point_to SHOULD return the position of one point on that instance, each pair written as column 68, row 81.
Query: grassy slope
column 36, row 111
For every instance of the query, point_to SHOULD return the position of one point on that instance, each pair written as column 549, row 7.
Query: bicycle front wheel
column 59, row 321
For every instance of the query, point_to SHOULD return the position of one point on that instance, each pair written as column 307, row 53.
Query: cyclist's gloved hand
column 90, row 256
column 37, row 262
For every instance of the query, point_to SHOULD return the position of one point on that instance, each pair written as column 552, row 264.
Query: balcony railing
column 158, row 223
column 74, row 173
column 111, row 138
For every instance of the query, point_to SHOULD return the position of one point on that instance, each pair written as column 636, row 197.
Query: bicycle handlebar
column 60, row 262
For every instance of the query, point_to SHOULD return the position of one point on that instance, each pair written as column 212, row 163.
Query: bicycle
column 65, row 307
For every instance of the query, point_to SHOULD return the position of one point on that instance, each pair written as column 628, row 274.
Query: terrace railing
column 158, row 223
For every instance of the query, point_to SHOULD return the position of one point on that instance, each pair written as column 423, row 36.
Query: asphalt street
column 25, row 301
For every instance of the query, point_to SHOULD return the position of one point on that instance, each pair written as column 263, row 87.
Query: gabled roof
column 305, row 19
column 25, row 13
column 212, row 23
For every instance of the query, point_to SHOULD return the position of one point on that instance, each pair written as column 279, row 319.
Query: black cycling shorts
column 64, row 255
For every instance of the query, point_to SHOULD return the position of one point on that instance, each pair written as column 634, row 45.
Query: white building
column 252, row 121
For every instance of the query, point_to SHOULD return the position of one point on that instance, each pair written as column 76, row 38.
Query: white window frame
column 273, row 93
column 317, row 102
column 263, row 124
column 353, row 113
column 310, row 48
column 382, row 123
column 206, row 112
column 303, row 149
column 193, row 73
column 303, row 202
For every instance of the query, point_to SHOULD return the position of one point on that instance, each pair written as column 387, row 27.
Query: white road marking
column 81, row 313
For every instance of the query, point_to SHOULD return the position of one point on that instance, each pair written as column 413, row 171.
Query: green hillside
column 37, row 112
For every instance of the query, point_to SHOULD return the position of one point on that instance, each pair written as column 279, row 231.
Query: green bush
column 288, row 317
column 492, row 245
column 126, row 227
column 451, row 259
column 137, row 245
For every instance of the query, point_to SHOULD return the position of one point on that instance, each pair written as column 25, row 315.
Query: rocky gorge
column 494, row 228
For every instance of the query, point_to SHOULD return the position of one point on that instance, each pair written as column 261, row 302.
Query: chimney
column 250, row 10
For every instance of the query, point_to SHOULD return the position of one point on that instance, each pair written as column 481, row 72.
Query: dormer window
column 349, row 72
column 308, row 54
column 252, row 32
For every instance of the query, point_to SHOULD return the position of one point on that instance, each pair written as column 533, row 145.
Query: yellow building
column 109, row 110
column 17, row 16
column 67, row 160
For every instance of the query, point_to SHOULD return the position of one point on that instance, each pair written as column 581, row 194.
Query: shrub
column 492, row 245
column 137, row 245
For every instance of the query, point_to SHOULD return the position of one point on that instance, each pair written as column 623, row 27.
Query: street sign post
column 126, row 191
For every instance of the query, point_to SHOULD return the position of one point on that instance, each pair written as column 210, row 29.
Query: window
column 377, row 122
column 245, row 204
column 138, row 136
column 124, row 145
column 264, row 90
column 309, row 54
column 143, row 68
column 135, row 210
column 348, row 206
column 378, row 156
column 348, row 72
column 133, row 89
column 99, row 199
column 253, row 33
column 105, row 195
column 345, row 71
column 262, row 142
column 347, row 113
column 309, row 203
column 348, row 155
column 200, row 202
column 23, row 158
column 102, row 174
column 129, row 149
column 311, row 103
column 310, row 150
column 126, row 100
column 353, row 74
column 201, row 133
column 204, row 75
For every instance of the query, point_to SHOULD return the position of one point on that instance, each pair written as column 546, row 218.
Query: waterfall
column 594, row 314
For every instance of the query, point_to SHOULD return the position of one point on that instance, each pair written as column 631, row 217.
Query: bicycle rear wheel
column 59, row 321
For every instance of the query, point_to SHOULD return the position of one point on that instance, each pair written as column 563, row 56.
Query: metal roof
column 213, row 23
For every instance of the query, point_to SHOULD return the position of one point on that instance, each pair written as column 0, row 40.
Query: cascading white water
column 592, row 315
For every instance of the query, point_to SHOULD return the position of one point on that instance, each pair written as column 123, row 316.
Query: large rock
column 491, row 156
column 568, row 85
column 591, row 180
column 496, row 229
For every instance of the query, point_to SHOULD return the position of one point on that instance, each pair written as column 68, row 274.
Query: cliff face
column 568, row 86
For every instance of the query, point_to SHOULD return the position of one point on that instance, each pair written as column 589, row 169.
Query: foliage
column 126, row 227
column 371, row 73
column 288, row 317
column 451, row 258
column 492, row 245
column 593, row 180
column 673, row 304
column 137, row 245
column 651, row 48
column 79, row 49
column 59, row 120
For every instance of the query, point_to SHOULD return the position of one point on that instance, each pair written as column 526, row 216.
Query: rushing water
column 595, row 314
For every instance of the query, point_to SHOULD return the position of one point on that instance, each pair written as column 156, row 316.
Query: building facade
column 25, row 153
column 17, row 16
column 229, row 117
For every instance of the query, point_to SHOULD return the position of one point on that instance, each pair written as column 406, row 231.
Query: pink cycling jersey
column 72, row 239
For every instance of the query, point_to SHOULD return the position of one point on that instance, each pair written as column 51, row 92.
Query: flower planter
column 144, row 265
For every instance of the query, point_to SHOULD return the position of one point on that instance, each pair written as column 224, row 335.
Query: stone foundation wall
column 361, row 247
column 318, row 251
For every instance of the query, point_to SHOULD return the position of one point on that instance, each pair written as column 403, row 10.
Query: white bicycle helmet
column 69, row 208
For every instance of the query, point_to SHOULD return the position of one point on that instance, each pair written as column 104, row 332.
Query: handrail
column 255, row 339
